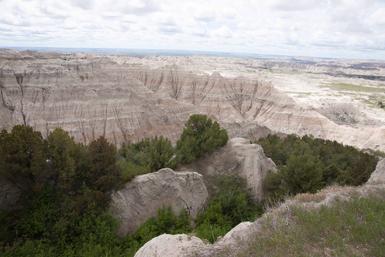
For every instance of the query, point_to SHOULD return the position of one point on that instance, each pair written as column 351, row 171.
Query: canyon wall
column 125, row 98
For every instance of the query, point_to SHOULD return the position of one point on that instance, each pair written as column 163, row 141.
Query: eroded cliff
column 126, row 98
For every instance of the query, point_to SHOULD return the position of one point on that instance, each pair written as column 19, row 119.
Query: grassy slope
column 348, row 228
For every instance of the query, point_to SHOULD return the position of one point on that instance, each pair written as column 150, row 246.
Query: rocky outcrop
column 141, row 198
column 378, row 176
column 170, row 246
column 239, row 157
column 254, row 165
column 237, row 239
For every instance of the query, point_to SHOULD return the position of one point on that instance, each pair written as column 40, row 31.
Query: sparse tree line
column 66, row 186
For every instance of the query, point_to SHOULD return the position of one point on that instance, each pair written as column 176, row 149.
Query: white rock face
column 239, row 233
column 378, row 176
column 170, row 246
column 238, row 157
column 141, row 198
column 254, row 165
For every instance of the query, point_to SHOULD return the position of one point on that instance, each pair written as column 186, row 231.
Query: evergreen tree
column 303, row 173
column 23, row 158
column 160, row 153
column 201, row 135
column 104, row 174
column 61, row 156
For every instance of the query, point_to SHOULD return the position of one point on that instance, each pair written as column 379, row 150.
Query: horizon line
column 234, row 54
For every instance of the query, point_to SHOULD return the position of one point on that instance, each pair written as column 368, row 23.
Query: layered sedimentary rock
column 141, row 198
column 241, row 100
column 126, row 98
column 86, row 96
column 237, row 239
column 241, row 158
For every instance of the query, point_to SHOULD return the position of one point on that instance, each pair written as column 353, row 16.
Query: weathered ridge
column 127, row 98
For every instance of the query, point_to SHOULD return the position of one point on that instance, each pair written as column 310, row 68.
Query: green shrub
column 165, row 222
column 23, row 158
column 200, row 136
column 230, row 205
column 307, row 164
column 130, row 170
column 148, row 155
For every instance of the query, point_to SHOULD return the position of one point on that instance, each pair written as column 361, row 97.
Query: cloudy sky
column 326, row 28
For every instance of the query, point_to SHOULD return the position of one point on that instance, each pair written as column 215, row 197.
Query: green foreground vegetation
column 346, row 229
column 307, row 164
column 200, row 136
column 65, row 186
column 65, row 191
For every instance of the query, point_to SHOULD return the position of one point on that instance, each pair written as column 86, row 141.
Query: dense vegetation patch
column 147, row 155
column 230, row 205
column 308, row 164
column 65, row 186
column 200, row 136
column 348, row 228
column 65, row 189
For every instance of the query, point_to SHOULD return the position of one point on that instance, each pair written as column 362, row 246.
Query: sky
column 321, row 28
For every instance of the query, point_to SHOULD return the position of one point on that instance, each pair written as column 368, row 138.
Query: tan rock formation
column 170, row 246
column 239, row 157
column 141, row 198
column 378, row 176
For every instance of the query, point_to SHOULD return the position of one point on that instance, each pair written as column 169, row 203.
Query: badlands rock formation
column 126, row 98
column 141, row 198
column 378, row 176
column 237, row 239
column 239, row 157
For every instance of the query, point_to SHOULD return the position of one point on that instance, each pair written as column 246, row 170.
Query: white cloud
column 346, row 28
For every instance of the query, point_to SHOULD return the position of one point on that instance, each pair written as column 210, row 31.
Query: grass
column 374, row 97
column 348, row 228
column 354, row 88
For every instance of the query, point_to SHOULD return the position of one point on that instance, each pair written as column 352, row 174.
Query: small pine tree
column 201, row 135
column 23, row 158
column 61, row 159
column 104, row 173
